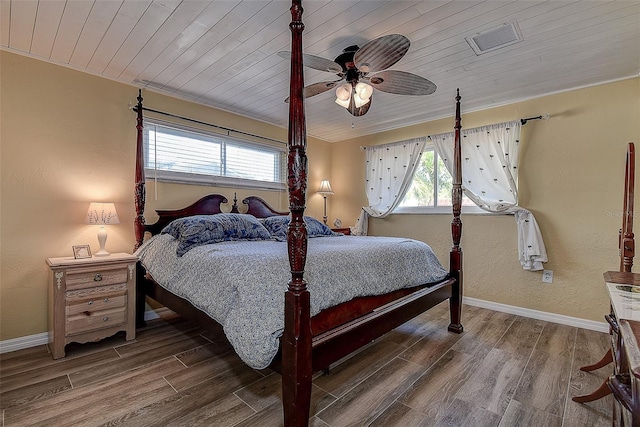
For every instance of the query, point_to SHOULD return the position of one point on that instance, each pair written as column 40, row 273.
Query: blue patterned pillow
column 278, row 225
column 201, row 230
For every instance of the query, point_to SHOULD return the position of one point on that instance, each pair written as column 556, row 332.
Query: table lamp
column 102, row 214
column 325, row 190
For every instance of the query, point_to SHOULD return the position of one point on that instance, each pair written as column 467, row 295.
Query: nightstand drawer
column 93, row 320
column 83, row 278
column 94, row 299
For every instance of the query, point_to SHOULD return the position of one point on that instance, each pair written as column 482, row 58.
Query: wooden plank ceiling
column 224, row 53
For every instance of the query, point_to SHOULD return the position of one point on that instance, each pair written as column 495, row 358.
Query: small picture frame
column 81, row 251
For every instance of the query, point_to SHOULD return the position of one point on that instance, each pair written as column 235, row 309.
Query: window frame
column 180, row 177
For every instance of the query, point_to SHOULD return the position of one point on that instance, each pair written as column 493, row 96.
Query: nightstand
column 91, row 299
column 346, row 231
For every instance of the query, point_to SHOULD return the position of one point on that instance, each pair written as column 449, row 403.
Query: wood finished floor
column 504, row 370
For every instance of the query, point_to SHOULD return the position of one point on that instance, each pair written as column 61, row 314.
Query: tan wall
column 68, row 138
column 571, row 178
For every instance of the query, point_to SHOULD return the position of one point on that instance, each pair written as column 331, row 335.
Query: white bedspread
column 241, row 284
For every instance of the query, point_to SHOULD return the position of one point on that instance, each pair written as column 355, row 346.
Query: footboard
column 337, row 343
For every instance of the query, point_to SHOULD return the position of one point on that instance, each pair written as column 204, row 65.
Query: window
column 180, row 154
column 431, row 187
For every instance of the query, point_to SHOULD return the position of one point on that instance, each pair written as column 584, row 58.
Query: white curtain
column 490, row 179
column 388, row 175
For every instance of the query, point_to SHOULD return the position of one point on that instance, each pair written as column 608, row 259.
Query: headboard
column 259, row 208
column 207, row 205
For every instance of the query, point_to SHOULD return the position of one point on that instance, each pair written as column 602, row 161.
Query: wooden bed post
column 296, row 339
column 138, row 223
column 626, row 238
column 455, row 256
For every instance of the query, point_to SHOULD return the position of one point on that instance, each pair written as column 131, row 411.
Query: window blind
column 174, row 153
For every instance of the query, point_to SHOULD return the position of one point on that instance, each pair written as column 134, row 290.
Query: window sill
column 443, row 210
column 216, row 181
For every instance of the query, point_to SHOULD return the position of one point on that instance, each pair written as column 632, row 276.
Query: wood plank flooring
column 504, row 370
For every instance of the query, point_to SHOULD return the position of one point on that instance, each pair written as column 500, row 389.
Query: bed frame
column 308, row 344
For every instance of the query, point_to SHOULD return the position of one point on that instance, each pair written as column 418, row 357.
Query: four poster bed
column 314, row 333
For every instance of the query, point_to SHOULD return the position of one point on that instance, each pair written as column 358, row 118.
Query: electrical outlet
column 547, row 276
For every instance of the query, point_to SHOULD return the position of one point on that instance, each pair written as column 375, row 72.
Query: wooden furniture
column 312, row 344
column 626, row 247
column 624, row 292
column 626, row 384
column 90, row 299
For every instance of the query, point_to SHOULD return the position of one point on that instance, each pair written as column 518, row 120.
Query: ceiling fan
column 354, row 66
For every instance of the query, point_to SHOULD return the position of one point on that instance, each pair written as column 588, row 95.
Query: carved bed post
column 296, row 339
column 138, row 222
column 455, row 256
column 626, row 237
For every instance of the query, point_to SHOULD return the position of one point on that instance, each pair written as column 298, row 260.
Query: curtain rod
column 541, row 117
column 135, row 109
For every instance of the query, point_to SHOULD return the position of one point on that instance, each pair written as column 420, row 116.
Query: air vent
column 495, row 38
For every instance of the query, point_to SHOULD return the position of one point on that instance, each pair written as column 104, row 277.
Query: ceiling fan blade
column 381, row 53
column 402, row 83
column 359, row 111
column 317, row 89
column 315, row 62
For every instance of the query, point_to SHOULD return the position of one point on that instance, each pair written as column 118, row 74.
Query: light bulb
column 359, row 102
column 364, row 90
column 342, row 103
column 343, row 92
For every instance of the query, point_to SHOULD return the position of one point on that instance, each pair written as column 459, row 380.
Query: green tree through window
column 432, row 184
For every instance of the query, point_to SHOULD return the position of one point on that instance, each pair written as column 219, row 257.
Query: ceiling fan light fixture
column 359, row 101
column 343, row 92
column 364, row 91
column 343, row 102
column 353, row 67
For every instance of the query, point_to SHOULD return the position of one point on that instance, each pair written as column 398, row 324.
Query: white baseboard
column 20, row 343
column 43, row 338
column 539, row 315
column 24, row 342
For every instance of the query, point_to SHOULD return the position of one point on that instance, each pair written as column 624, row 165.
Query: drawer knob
column 97, row 277
column 105, row 300
column 90, row 302
column 104, row 319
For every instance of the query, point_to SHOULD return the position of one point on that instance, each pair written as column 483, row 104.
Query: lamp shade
column 343, row 92
column 325, row 187
column 102, row 213
column 364, row 90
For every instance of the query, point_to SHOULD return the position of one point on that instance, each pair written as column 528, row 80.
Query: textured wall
column 68, row 138
column 571, row 178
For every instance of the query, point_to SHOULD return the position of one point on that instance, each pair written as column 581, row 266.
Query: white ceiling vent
column 495, row 38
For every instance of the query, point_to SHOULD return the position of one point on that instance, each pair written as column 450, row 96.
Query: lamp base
column 102, row 239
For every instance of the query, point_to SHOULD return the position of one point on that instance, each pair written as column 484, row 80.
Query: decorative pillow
column 201, row 230
column 278, row 225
